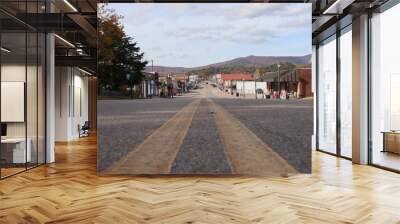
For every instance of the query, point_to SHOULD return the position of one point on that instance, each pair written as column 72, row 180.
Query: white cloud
column 253, row 23
column 255, row 10
column 192, row 33
column 245, row 31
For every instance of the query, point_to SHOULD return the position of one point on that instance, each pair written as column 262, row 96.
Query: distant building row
column 154, row 84
column 294, row 83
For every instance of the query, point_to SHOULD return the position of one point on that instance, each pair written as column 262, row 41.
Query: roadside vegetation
column 120, row 59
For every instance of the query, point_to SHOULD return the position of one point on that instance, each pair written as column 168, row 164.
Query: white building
column 250, row 87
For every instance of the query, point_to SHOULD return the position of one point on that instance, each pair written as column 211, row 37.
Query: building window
column 22, row 77
column 346, row 92
column 327, row 95
column 385, row 89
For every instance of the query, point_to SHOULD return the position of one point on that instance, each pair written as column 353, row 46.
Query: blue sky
column 189, row 35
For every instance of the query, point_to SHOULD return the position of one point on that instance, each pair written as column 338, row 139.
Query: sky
column 190, row 34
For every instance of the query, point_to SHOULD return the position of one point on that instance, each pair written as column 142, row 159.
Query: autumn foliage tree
column 118, row 54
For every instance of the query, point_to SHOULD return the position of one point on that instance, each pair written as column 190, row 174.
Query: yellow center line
column 247, row 153
column 156, row 154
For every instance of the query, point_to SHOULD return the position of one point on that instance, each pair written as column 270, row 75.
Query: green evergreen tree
column 118, row 54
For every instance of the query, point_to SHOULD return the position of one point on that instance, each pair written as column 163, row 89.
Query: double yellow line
column 246, row 153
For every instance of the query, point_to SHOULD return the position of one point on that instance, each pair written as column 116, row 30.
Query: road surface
column 204, row 132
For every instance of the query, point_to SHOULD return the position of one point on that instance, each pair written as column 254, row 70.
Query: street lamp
column 255, row 83
column 244, row 90
column 279, row 80
column 255, row 88
column 129, row 78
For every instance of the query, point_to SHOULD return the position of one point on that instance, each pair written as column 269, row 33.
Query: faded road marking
column 247, row 153
column 157, row 152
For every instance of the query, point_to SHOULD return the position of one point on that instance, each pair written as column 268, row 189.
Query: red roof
column 236, row 76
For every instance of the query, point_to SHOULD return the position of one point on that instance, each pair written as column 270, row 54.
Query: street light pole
column 244, row 89
column 279, row 80
column 129, row 78
column 131, row 90
column 255, row 86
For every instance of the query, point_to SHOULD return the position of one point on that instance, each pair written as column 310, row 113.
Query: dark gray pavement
column 124, row 124
column 202, row 151
column 285, row 125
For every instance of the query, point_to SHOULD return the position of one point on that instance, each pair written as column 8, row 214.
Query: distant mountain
column 166, row 69
column 263, row 61
column 249, row 61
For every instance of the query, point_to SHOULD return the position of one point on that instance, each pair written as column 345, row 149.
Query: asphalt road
column 202, row 151
column 283, row 126
column 124, row 124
